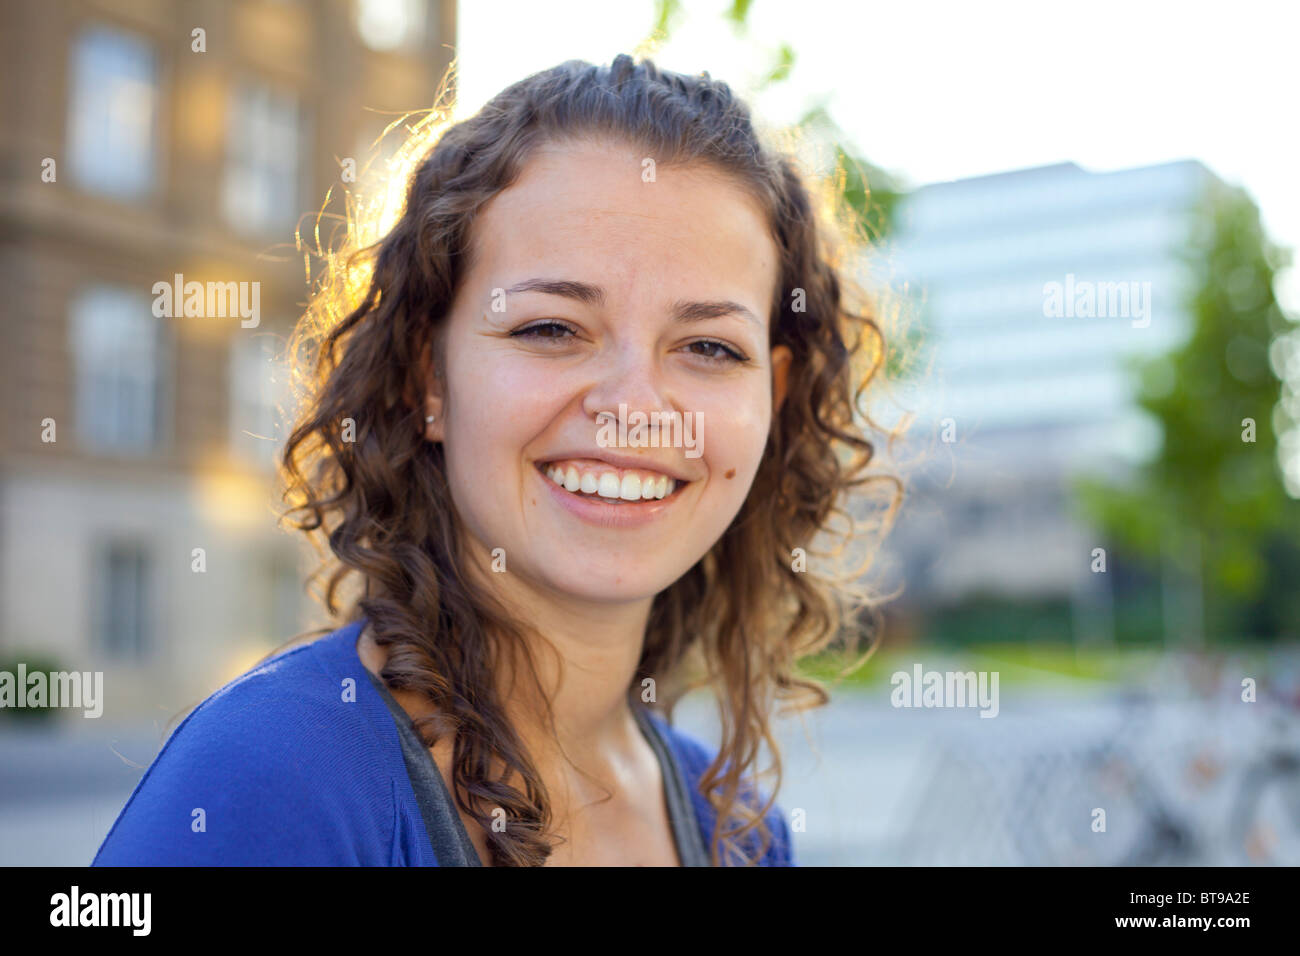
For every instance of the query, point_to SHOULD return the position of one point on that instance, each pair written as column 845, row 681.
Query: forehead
column 598, row 212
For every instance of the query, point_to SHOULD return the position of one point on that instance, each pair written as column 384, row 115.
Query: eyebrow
column 682, row 311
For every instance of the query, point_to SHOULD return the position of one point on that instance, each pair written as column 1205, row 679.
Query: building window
column 118, row 344
column 260, row 398
column 391, row 24
column 260, row 192
column 123, row 622
column 113, row 113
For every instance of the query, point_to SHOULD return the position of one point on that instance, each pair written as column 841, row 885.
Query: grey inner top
column 451, row 843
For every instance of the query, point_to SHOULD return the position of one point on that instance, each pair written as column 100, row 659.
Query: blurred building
column 1033, row 289
column 144, row 140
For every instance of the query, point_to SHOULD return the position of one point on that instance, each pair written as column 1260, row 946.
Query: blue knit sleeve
column 781, row 852
column 261, row 774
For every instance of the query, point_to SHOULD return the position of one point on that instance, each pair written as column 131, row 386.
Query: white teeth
column 631, row 487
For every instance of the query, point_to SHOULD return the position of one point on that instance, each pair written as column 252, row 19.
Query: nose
column 630, row 380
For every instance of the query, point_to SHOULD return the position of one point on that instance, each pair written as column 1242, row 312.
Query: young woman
column 572, row 425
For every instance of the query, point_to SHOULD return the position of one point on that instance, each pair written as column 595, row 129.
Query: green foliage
column 984, row 618
column 35, row 662
column 1209, row 499
column 907, row 353
column 739, row 12
column 781, row 68
column 667, row 12
column 870, row 192
column 1020, row 664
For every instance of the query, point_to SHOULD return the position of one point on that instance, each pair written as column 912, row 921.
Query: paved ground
column 876, row 784
column 61, row 791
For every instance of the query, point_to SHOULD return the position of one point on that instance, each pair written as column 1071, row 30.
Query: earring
column 429, row 418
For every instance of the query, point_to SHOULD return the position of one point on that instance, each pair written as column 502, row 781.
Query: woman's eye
column 552, row 331
column 716, row 351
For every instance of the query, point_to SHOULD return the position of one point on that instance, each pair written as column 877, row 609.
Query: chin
column 609, row 587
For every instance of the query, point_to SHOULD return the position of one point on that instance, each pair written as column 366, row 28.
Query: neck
column 585, row 656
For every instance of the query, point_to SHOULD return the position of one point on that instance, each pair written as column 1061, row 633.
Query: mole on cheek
column 731, row 473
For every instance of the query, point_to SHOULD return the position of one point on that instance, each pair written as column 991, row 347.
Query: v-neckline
column 682, row 820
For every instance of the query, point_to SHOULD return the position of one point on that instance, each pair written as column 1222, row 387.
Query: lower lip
column 595, row 511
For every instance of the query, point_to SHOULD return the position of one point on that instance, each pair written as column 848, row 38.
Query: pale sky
column 938, row 91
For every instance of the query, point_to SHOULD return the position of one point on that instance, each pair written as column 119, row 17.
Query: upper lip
column 618, row 461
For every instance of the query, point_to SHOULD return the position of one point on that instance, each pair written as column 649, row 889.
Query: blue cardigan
column 299, row 763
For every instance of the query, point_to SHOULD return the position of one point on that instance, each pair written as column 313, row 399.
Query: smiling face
column 596, row 297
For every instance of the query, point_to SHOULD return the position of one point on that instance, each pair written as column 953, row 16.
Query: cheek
column 482, row 426
column 498, row 406
column 734, row 436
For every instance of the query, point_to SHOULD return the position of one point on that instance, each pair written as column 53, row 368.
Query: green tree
column 1212, row 498
column 869, row 191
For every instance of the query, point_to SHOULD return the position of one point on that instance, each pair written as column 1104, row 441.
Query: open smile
column 604, row 495
column 597, row 479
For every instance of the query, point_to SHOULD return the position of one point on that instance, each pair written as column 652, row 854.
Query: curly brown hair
column 358, row 471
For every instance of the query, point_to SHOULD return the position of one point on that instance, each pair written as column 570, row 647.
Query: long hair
column 358, row 471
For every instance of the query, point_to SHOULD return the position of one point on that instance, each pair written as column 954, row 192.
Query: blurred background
column 1077, row 218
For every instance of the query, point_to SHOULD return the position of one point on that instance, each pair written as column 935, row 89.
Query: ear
column 781, row 358
column 433, row 397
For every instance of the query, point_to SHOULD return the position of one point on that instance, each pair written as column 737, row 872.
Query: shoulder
column 280, row 766
column 694, row 757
